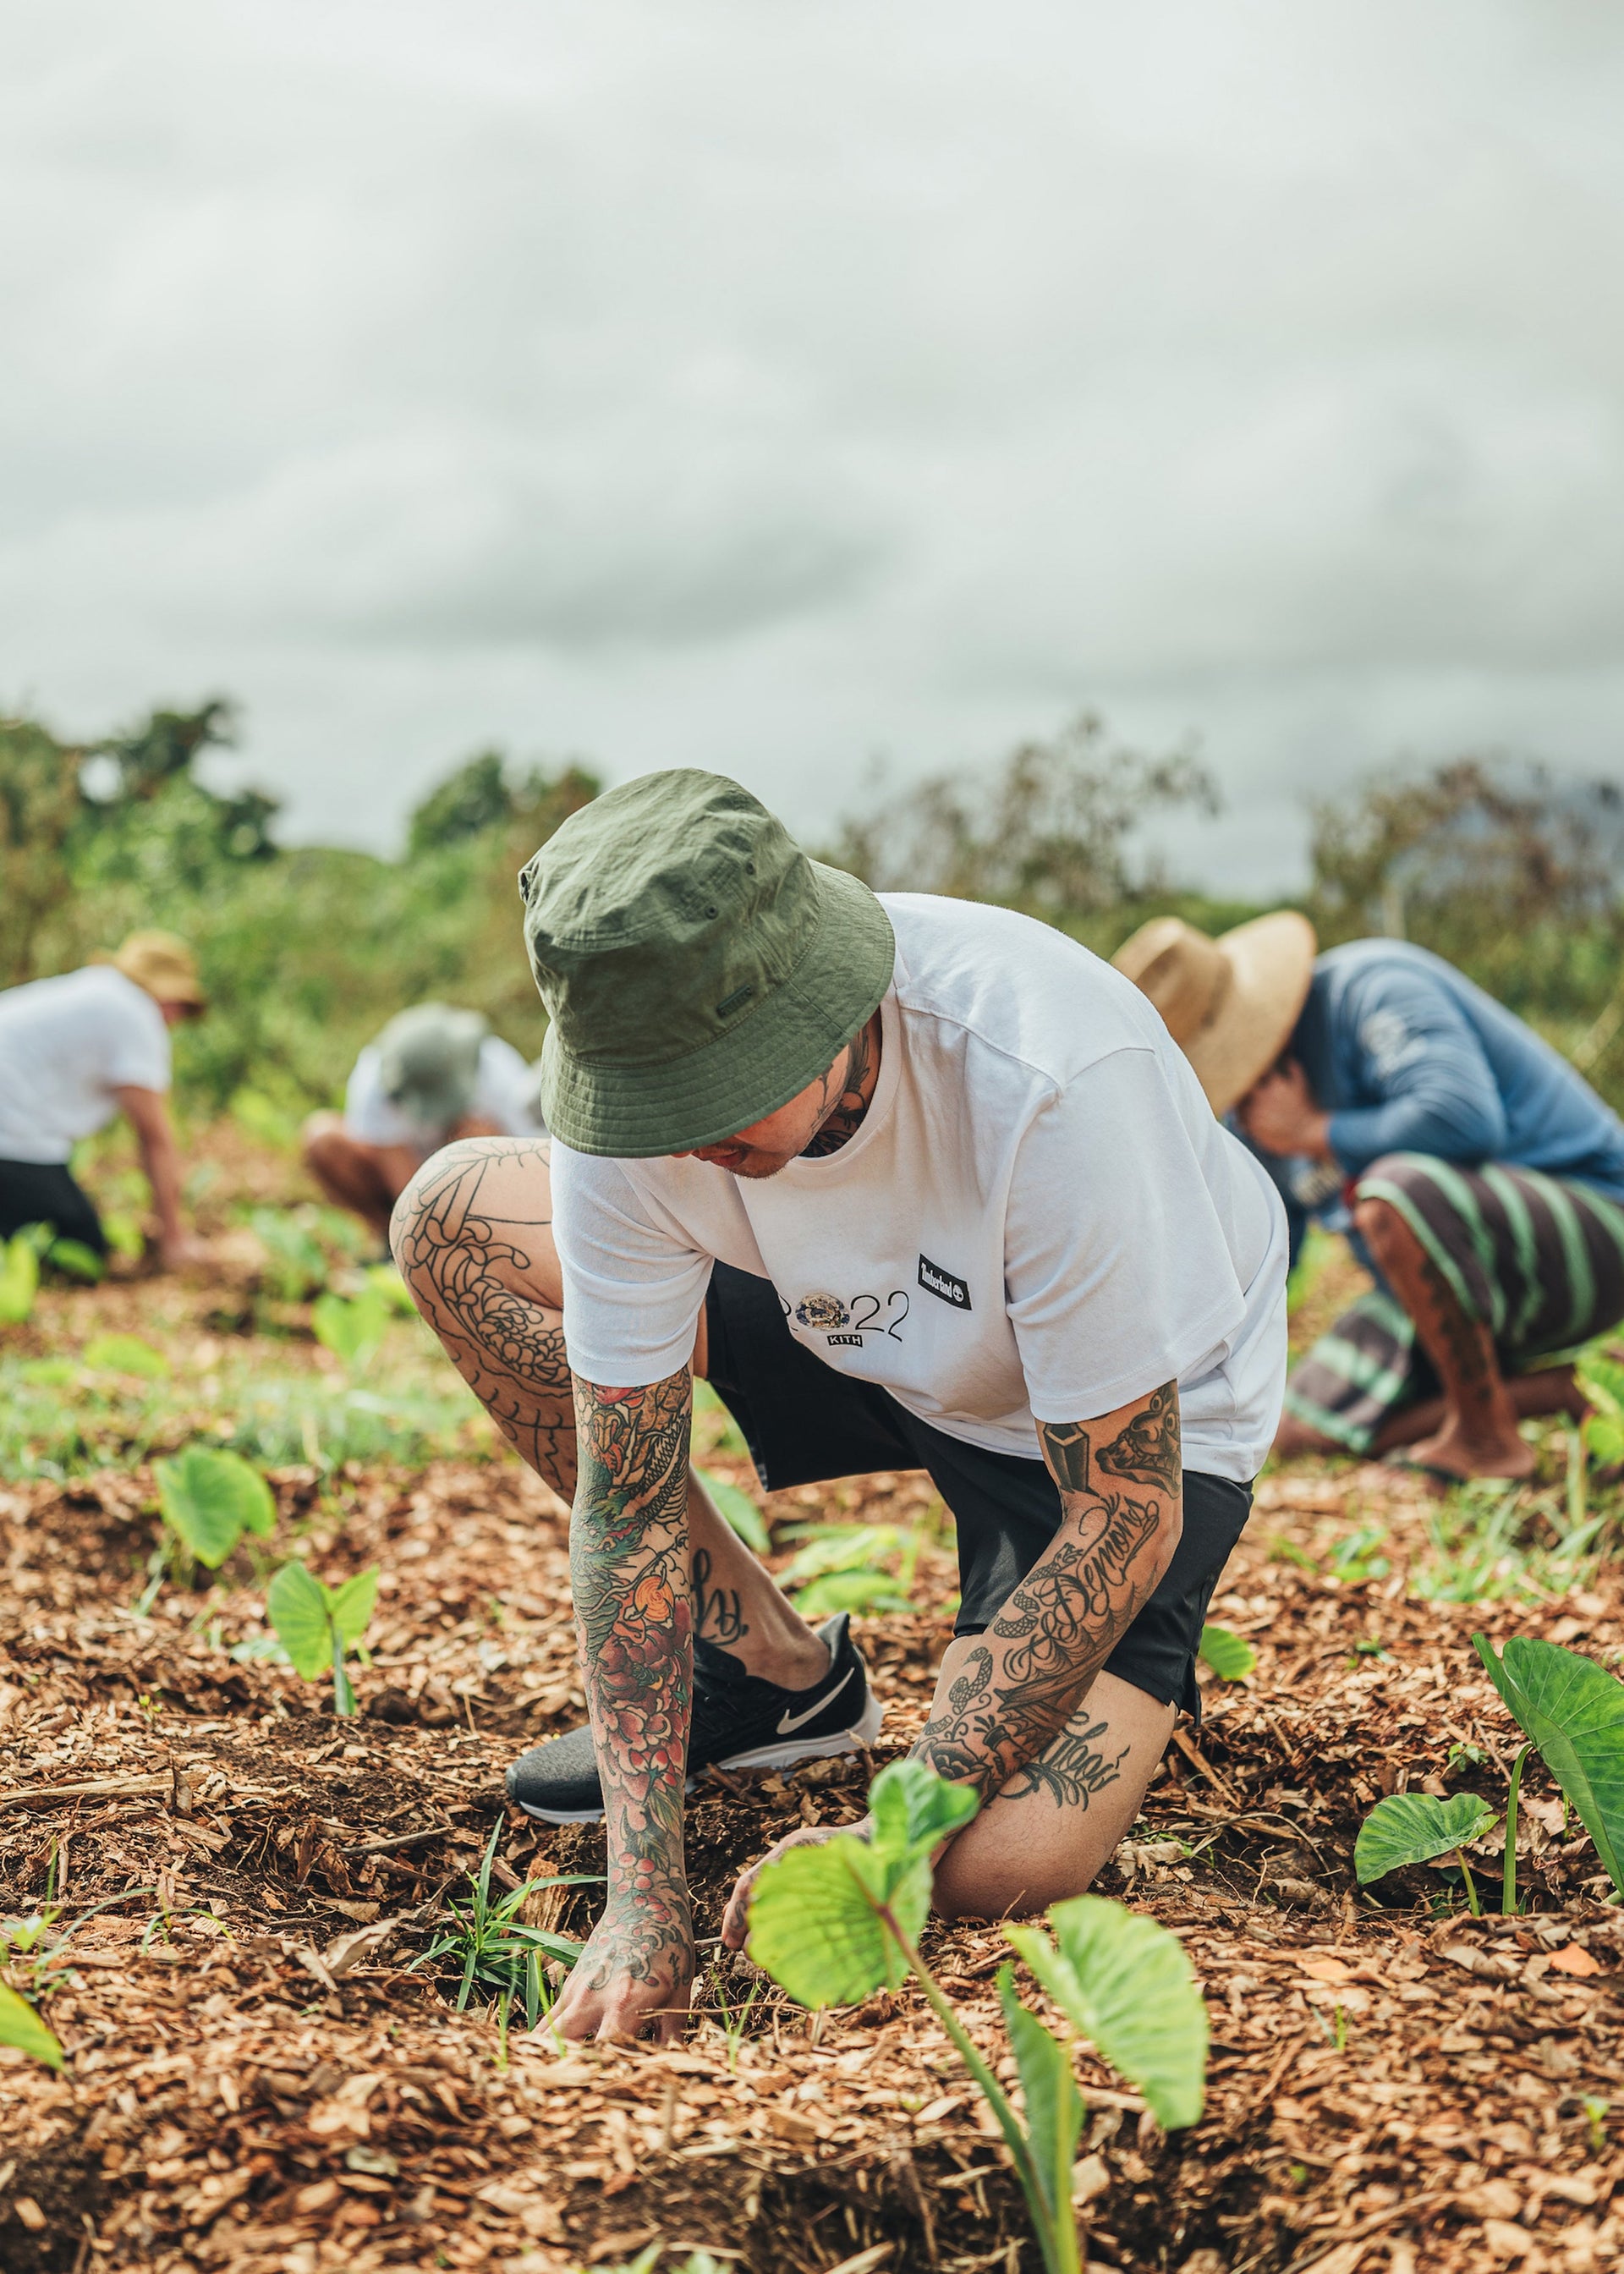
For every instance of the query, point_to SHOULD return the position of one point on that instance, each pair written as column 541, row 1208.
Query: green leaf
column 815, row 1924
column 1054, row 2107
column 19, row 1279
column 1230, row 1656
column 386, row 1283
column 739, row 1510
column 1601, row 1378
column 297, row 1607
column 1126, row 1984
column 78, row 1261
column 1573, row 1711
column 1413, row 1827
column 125, row 1354
column 124, row 1235
column 851, row 1590
column 21, row 2026
column 914, row 1809
column 1603, row 1439
column 351, row 1605
column 209, row 1498
column 352, row 1329
column 48, row 1373
column 840, row 1547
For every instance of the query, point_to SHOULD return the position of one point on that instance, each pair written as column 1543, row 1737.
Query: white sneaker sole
column 863, row 1731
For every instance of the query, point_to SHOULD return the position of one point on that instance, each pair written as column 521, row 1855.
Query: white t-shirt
column 67, row 1044
column 1038, row 1215
column 503, row 1092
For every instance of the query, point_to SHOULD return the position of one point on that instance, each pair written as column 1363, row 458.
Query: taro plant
column 20, row 1274
column 352, row 1327
column 493, row 1947
column 1231, row 1657
column 835, row 1922
column 1572, row 1712
column 316, row 1624
column 207, row 1498
column 21, row 2027
column 1414, row 1828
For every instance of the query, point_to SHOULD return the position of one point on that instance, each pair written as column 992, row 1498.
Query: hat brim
column 1271, row 963
column 765, row 1057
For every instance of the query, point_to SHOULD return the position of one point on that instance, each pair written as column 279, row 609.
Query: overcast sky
column 774, row 384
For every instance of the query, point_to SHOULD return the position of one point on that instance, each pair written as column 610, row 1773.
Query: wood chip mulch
column 255, row 2080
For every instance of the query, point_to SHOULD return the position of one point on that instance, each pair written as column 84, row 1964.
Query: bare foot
column 1457, row 1456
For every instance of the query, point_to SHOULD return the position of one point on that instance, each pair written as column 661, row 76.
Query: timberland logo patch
column 947, row 1284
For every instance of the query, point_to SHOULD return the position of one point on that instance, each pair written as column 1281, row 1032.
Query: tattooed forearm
column 628, row 1564
column 1025, row 1679
column 1070, row 1769
column 465, row 1266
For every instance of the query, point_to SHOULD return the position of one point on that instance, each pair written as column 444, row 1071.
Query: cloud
column 746, row 386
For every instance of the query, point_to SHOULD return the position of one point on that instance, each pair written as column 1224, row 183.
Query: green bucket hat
column 697, row 968
column 428, row 1062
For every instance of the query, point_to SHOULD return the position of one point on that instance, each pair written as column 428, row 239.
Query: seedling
column 1413, row 1827
column 493, row 1946
column 739, row 1510
column 208, row 1498
column 834, row 1923
column 1573, row 1711
column 21, row 2026
column 20, row 1273
column 352, row 1328
column 296, row 1263
column 125, row 1354
column 838, row 1567
column 1230, row 1656
column 316, row 1624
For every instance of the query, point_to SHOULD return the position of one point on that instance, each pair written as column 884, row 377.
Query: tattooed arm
column 1121, row 1491
column 628, row 1564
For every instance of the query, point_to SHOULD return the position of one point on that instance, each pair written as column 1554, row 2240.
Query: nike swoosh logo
column 793, row 1721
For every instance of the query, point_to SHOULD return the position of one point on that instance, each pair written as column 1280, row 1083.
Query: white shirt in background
column 503, row 1095
column 1038, row 1216
column 66, row 1046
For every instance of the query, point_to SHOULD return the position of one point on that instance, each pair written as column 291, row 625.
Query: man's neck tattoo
column 845, row 1107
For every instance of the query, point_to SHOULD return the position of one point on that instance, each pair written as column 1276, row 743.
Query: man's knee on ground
column 1381, row 1227
column 974, row 1884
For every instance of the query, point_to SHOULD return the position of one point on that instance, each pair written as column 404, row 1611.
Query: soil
column 257, row 2075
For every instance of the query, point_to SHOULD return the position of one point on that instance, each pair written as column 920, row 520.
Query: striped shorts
column 1539, row 1259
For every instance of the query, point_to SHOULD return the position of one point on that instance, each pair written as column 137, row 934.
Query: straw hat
column 1231, row 1003
column 163, row 965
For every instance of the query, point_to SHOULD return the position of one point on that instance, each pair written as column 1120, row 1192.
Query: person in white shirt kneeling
column 433, row 1074
column 916, row 1184
column 77, row 1050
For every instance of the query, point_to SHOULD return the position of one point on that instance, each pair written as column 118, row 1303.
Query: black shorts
column 44, row 1192
column 804, row 1424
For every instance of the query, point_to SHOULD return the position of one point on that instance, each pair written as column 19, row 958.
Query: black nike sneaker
column 739, row 1722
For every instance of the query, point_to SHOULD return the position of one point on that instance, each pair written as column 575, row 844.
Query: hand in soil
column 633, row 1979
column 735, row 1919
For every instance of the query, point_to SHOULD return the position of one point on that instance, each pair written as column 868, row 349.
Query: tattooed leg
column 1479, row 1434
column 473, row 1237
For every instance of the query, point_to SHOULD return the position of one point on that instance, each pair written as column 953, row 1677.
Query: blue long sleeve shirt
column 1407, row 1055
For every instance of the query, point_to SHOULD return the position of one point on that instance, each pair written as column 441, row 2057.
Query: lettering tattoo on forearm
column 629, row 1566
column 1070, row 1769
column 506, row 1347
column 1023, row 1682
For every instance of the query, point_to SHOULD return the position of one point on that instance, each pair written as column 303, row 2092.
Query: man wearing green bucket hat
column 915, row 1184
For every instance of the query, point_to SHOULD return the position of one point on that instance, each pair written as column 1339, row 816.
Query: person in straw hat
column 1477, row 1176
column 434, row 1073
column 918, row 1185
column 75, row 1051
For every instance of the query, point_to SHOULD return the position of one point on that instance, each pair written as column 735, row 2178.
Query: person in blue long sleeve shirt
column 1477, row 1176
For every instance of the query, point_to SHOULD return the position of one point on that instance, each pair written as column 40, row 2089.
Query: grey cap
column 428, row 1062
